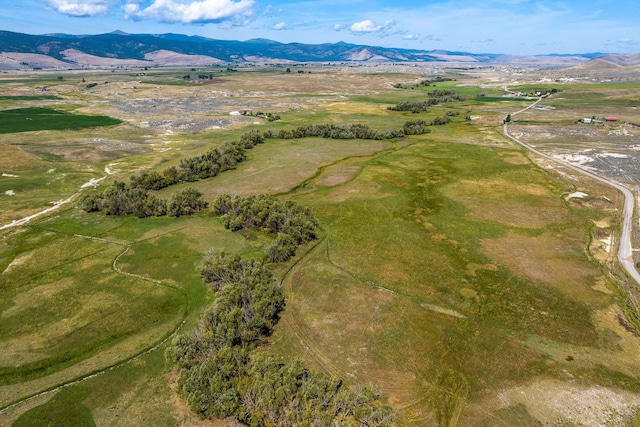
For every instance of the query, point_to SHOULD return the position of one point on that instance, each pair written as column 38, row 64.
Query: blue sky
column 520, row 27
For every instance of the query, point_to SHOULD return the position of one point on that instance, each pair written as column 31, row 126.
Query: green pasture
column 64, row 409
column 63, row 304
column 39, row 118
column 406, row 265
column 27, row 97
column 76, row 305
column 450, row 266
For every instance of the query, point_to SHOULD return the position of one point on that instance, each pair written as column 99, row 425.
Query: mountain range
column 20, row 51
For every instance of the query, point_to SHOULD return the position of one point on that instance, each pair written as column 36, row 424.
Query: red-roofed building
column 610, row 119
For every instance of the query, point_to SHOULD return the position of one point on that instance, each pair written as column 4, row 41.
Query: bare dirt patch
column 363, row 190
column 554, row 403
column 18, row 261
column 609, row 150
column 338, row 174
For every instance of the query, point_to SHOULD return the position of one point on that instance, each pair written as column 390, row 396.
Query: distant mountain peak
column 262, row 41
column 119, row 45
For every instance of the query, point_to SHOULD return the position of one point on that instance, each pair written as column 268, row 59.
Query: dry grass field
column 473, row 283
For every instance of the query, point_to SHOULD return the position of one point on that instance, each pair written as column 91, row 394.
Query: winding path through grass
column 127, row 360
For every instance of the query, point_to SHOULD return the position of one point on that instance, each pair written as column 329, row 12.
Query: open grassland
column 469, row 281
column 438, row 266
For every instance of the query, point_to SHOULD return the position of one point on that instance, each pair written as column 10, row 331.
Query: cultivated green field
column 34, row 119
column 473, row 283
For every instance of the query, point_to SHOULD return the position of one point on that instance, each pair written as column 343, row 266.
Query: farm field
column 472, row 283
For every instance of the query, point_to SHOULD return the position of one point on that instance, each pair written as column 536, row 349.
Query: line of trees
column 426, row 82
column 326, row 130
column 421, row 127
column 435, row 97
column 414, row 107
column 219, row 159
column 221, row 375
column 120, row 199
column 229, row 154
column 292, row 223
column 135, row 198
column 445, row 96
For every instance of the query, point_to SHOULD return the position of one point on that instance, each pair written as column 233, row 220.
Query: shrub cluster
column 293, row 224
column 440, row 96
column 221, row 375
column 414, row 107
column 118, row 199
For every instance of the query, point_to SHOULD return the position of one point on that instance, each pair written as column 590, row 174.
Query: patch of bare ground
column 575, row 133
column 337, row 175
column 603, row 243
column 84, row 151
column 558, row 403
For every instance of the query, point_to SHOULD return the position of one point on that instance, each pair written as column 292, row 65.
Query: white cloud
column 280, row 26
column 368, row 27
column 410, row 37
column 483, row 41
column 81, row 8
column 270, row 11
column 628, row 41
column 195, row 12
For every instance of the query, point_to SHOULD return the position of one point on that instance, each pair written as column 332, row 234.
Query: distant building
column 610, row 119
column 586, row 120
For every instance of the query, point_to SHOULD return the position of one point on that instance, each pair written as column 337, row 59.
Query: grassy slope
column 404, row 266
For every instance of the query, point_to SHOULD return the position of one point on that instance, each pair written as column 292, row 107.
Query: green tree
column 186, row 202
column 281, row 249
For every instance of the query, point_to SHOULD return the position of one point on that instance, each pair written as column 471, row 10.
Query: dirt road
column 625, row 250
column 56, row 205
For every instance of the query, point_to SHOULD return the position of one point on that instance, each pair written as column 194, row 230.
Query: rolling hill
column 19, row 50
